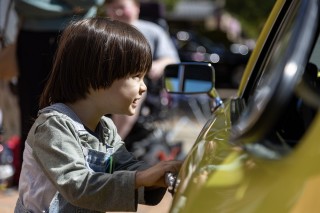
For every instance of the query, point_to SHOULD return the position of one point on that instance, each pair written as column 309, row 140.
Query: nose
column 143, row 87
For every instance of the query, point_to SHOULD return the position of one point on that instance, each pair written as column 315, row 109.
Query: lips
column 135, row 101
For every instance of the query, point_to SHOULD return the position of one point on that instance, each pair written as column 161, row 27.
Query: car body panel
column 220, row 174
column 237, row 182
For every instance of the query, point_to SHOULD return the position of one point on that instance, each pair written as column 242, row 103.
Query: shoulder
column 141, row 22
column 54, row 121
column 52, row 116
column 148, row 26
column 52, row 129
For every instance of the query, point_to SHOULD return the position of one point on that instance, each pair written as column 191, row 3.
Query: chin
column 131, row 112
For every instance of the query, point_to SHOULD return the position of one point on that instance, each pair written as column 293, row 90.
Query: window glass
column 273, row 102
column 295, row 119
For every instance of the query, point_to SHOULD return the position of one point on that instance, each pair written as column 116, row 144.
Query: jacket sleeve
column 124, row 160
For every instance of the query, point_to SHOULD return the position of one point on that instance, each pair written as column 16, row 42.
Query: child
column 163, row 51
column 74, row 159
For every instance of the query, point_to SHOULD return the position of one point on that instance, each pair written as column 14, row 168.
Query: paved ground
column 186, row 128
column 8, row 200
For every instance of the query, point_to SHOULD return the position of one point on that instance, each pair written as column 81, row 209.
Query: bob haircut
column 93, row 53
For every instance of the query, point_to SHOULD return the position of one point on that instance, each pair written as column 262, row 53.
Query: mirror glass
column 189, row 78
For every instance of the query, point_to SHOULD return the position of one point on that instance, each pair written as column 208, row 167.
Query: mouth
column 135, row 101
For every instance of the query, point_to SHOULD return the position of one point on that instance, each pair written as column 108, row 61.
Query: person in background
column 74, row 159
column 41, row 22
column 163, row 50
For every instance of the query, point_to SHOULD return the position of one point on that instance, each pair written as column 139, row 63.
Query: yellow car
column 259, row 151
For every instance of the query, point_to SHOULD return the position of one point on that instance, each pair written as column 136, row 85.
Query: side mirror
column 189, row 78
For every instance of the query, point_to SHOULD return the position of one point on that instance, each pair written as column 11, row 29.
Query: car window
column 315, row 56
column 295, row 119
column 275, row 118
column 268, row 78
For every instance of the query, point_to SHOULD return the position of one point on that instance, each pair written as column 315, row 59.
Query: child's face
column 123, row 96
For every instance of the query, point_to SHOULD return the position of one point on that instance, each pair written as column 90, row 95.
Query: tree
column 252, row 14
column 170, row 4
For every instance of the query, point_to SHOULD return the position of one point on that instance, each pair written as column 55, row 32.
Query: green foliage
column 170, row 4
column 252, row 14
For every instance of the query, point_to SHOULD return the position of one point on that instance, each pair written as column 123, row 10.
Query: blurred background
column 221, row 32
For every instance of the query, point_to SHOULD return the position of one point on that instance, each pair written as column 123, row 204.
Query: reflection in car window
column 295, row 120
column 297, row 115
column 315, row 56
column 269, row 75
column 263, row 82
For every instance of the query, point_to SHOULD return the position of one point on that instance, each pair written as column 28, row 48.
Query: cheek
column 130, row 89
column 127, row 88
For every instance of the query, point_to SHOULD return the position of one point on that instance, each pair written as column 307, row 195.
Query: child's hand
column 155, row 175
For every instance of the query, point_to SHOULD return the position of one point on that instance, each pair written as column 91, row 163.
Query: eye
column 138, row 76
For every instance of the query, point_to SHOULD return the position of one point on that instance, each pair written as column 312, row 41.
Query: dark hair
column 93, row 53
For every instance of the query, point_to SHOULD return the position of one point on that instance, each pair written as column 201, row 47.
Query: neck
column 87, row 114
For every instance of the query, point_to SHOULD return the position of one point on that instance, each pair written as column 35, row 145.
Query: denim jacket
column 68, row 169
